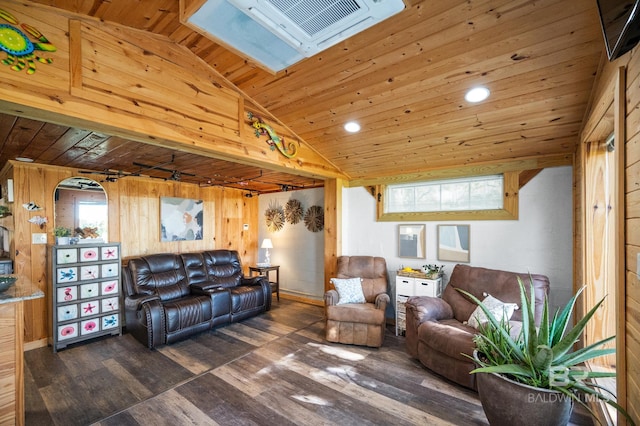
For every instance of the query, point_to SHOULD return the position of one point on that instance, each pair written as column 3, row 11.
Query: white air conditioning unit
column 288, row 30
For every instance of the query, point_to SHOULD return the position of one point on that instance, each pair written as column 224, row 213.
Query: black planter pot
column 506, row 402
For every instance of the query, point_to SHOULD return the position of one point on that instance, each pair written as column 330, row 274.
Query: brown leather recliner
column 169, row 297
column 436, row 331
column 359, row 323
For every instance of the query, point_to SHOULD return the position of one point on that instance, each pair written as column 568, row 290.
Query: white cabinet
column 86, row 292
column 412, row 286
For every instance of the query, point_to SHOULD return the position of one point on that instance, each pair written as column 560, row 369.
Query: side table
column 265, row 270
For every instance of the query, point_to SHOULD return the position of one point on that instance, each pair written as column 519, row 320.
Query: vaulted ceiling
column 403, row 80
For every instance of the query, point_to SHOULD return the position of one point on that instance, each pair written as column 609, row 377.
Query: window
column 93, row 215
column 477, row 193
column 476, row 197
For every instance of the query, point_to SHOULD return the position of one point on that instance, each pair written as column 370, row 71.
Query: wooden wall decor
column 293, row 211
column 314, row 219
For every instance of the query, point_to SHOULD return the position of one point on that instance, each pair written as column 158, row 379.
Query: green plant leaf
column 572, row 336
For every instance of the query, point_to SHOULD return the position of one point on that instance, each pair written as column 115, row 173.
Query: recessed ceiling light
column 352, row 127
column 25, row 159
column 477, row 94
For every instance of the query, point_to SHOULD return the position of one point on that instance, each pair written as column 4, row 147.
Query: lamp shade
column 266, row 243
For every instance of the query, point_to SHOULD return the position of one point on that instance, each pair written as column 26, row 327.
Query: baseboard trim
column 302, row 299
column 28, row 346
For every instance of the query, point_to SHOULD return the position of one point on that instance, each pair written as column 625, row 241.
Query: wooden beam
column 479, row 169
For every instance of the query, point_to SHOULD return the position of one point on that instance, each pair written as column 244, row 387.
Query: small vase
column 62, row 241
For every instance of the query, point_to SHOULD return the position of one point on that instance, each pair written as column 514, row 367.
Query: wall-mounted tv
column 620, row 20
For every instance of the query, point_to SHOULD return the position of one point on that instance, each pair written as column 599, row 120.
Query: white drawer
column 426, row 288
column 404, row 286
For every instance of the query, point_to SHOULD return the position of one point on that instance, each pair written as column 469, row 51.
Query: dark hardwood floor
column 275, row 369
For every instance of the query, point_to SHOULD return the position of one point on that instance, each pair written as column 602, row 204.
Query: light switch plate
column 39, row 238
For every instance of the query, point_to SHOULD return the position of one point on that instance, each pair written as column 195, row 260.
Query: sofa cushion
column 365, row 313
column 246, row 297
column 450, row 337
column 349, row 290
column 499, row 309
column 187, row 312
column 223, row 267
column 159, row 274
column 500, row 284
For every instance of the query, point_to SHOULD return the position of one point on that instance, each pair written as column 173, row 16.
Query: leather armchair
column 437, row 333
column 359, row 323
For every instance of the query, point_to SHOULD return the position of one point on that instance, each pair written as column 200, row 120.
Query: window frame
column 509, row 211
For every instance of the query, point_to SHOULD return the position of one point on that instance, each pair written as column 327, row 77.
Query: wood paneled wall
column 601, row 110
column 134, row 220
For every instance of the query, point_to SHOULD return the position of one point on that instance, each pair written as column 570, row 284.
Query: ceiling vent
column 288, row 30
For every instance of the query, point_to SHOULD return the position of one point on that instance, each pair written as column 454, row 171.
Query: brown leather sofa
column 437, row 333
column 359, row 323
column 169, row 297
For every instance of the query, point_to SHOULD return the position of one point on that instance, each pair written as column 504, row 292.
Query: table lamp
column 267, row 244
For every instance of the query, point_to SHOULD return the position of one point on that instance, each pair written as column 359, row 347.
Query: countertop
column 23, row 289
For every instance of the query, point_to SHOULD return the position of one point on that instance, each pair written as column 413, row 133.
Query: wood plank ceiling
column 403, row 80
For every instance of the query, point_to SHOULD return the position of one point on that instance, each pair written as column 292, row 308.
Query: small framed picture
column 453, row 243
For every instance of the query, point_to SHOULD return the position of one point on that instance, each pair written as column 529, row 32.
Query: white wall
column 298, row 251
column 539, row 242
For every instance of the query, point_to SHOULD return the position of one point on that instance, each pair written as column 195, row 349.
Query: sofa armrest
column 136, row 301
column 257, row 280
column 425, row 308
column 204, row 288
column 382, row 300
column 145, row 320
column 331, row 298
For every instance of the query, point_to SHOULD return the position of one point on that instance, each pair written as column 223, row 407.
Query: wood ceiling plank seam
column 507, row 138
column 170, row 51
column 449, row 51
column 7, row 124
column 168, row 69
column 328, row 98
column 506, row 116
column 47, row 135
column 384, row 115
column 427, row 89
column 351, row 51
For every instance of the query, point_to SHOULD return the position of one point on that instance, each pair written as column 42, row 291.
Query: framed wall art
column 411, row 241
column 181, row 219
column 453, row 243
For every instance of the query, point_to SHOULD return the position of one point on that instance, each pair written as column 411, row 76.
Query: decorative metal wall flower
column 293, row 211
column 274, row 217
column 314, row 219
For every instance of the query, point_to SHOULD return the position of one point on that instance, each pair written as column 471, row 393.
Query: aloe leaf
column 586, row 353
column 572, row 336
column 561, row 322
column 588, row 390
column 494, row 322
column 543, row 333
column 513, row 369
column 543, row 358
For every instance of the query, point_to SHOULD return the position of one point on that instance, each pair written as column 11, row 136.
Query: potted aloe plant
column 533, row 376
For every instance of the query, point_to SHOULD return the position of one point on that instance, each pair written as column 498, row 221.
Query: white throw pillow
column 498, row 308
column 349, row 290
